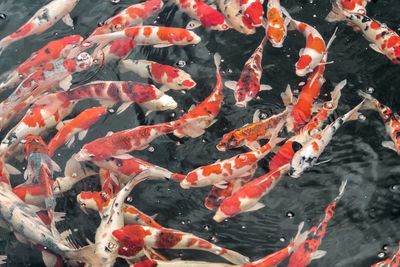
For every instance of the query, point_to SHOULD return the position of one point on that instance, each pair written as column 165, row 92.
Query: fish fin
column 82, row 134
column 299, row 238
column 367, row 104
column 86, row 254
column 256, row 116
column 354, row 114
column 231, row 85
column 125, row 65
column 191, row 107
column 322, row 162
column 60, row 125
column 376, row 48
column 193, row 24
column 106, row 103
column 337, row 14
column 123, row 156
column 212, row 123
column 265, row 87
column 109, row 133
column 253, row 145
column 217, row 61
column 257, row 206
column 68, row 21
column 50, row 259
column 318, row 254
column 55, row 166
column 12, row 170
column 123, row 107
column 162, row 45
column 333, row 37
column 390, row 145
column 301, row 51
column 221, row 185
column 59, row 216
column 70, row 141
column 66, row 83
column 287, row 96
column 164, row 88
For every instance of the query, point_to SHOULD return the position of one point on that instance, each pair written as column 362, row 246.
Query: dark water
column 367, row 218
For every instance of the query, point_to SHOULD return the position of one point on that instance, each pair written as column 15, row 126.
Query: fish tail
column 299, row 238
column 87, row 255
column 333, row 37
column 234, row 257
column 160, row 173
column 367, row 104
column 4, row 43
column 354, row 113
column 337, row 14
column 217, row 61
column 341, row 190
column 287, row 96
column 275, row 139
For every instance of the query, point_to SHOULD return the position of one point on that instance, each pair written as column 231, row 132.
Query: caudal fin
column 299, row 238
column 337, row 14
column 217, row 61
column 234, row 257
column 341, row 190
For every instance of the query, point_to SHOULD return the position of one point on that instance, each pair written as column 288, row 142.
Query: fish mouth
column 221, row 148
column 185, row 185
column 292, row 173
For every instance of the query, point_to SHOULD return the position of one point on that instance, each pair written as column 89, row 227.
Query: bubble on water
column 75, row 230
column 302, row 83
column 111, row 110
column 222, row 60
column 183, row 222
column 23, row 168
column 151, row 149
column 203, row 140
column 370, row 90
column 129, row 199
column 188, row 221
column 282, row 239
column 178, row 143
column 314, row 16
column 395, row 188
column 287, row 55
column 173, row 114
column 181, row 63
column 243, row 226
column 263, row 116
column 45, row 248
column 59, row 154
column 183, row 92
column 213, row 239
column 206, row 227
column 100, row 24
column 361, row 117
column 290, row 214
column 382, row 255
column 55, row 33
column 296, row 91
column 230, row 70
column 3, row 16
column 385, row 247
column 115, row 1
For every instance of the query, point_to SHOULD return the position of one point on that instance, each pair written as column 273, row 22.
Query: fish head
column 92, row 200
column 71, row 46
column 254, row 13
column 230, row 140
column 185, row 81
column 84, row 155
column 303, row 65
column 34, row 143
column 191, row 180
column 302, row 160
column 165, row 102
column 353, row 6
column 219, row 216
column 83, row 61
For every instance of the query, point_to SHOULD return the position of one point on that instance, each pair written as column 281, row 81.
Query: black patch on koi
column 44, row 15
column 296, row 146
column 47, row 51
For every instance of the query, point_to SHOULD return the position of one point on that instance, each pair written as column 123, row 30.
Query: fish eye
column 82, row 204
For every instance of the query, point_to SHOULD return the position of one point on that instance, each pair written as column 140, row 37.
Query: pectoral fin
column 257, row 206
column 66, row 83
column 68, row 21
column 376, row 48
column 253, row 145
column 265, row 87
column 389, row 144
column 231, row 85
column 318, row 254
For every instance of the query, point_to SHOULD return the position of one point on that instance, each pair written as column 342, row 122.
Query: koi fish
column 80, row 124
column 157, row 36
column 235, row 17
column 308, row 155
column 389, row 262
column 119, row 143
column 382, row 39
column 51, row 52
column 391, row 120
column 353, row 6
column 168, row 76
column 241, row 165
column 111, row 92
column 202, row 116
column 276, row 25
column 247, row 198
column 28, row 227
column 38, row 119
column 308, row 250
column 73, row 173
column 138, row 236
column 50, row 75
column 115, row 51
column 202, row 15
column 253, row 11
column 130, row 16
column 43, row 19
column 249, row 85
column 312, row 55
column 129, row 167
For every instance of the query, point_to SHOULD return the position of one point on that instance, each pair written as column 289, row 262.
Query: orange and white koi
column 247, row 198
column 120, row 143
column 136, row 236
column 202, row 116
column 275, row 25
column 253, row 11
column 308, row 155
column 130, row 16
column 115, row 51
column 111, row 92
column 51, row 52
column 239, row 166
column 43, row 19
column 249, row 85
column 308, row 250
column 39, row 118
column 235, row 17
column 394, row 261
column 168, row 76
column 353, row 6
column 382, row 39
column 129, row 167
column 202, row 15
column 391, row 120
column 312, row 55
column 80, row 124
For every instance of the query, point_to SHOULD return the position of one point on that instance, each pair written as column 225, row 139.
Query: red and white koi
column 382, row 39
column 308, row 155
column 353, row 6
column 312, row 55
column 239, row 166
column 394, row 261
column 247, row 198
column 80, row 124
column 235, row 17
column 170, row 77
column 111, row 92
column 253, row 11
column 133, row 237
column 391, row 120
column 249, row 85
column 275, row 25
column 43, row 19
column 123, row 142
column 200, row 117
column 308, row 250
column 51, row 52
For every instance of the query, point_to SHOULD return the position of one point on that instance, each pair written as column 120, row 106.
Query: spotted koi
column 235, row 17
column 253, row 11
column 275, row 25
column 353, row 6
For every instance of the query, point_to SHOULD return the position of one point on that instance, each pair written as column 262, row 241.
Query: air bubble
column 361, row 117
column 183, row 222
column 290, row 214
column 151, row 149
column 229, row 70
column 385, row 247
column 382, row 255
column 370, row 90
column 203, row 140
column 214, row 239
column 183, row 92
column 173, row 114
column 115, row 1
column 76, row 230
column 129, row 199
column 3, row 16
column 181, row 63
column 243, row 226
column 296, row 91
column 282, row 239
column 263, row 116
column 302, row 83
column 178, row 143
column 206, row 227
column 395, row 188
